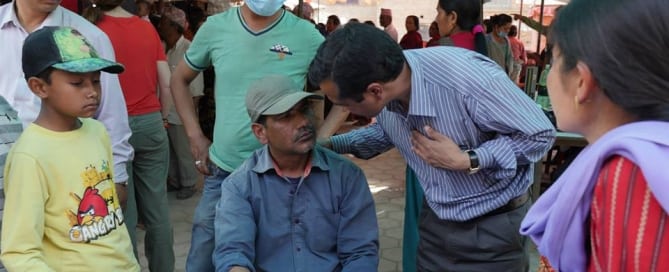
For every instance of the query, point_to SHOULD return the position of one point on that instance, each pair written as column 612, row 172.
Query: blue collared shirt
column 468, row 98
column 325, row 222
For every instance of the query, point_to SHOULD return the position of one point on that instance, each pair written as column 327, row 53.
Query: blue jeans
column 200, row 255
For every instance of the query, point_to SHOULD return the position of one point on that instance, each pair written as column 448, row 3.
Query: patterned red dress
column 629, row 230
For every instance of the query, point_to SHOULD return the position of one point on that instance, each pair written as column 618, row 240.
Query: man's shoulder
column 241, row 174
column 5, row 13
column 335, row 161
column 299, row 26
column 86, row 28
column 77, row 22
column 182, row 45
column 223, row 18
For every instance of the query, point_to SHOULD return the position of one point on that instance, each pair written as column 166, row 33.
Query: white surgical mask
column 264, row 7
column 501, row 34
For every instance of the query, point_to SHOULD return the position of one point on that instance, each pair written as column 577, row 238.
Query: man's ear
column 375, row 91
column 260, row 132
column 586, row 86
column 38, row 87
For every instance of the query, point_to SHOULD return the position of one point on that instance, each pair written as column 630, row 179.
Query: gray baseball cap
column 274, row 94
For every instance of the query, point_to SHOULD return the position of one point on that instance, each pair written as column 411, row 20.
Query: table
column 562, row 139
column 570, row 139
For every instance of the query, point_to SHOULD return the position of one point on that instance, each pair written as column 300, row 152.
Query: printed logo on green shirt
column 281, row 50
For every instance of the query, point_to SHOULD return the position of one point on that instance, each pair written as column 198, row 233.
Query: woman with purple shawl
column 608, row 210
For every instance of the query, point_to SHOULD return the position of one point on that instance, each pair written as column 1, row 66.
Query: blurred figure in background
column 333, row 23
column 519, row 54
column 412, row 39
column 182, row 171
column 499, row 47
column 434, row 35
column 386, row 21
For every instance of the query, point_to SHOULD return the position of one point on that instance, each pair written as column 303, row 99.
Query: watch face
column 473, row 161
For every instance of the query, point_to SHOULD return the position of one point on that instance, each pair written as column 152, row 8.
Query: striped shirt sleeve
column 363, row 143
column 628, row 227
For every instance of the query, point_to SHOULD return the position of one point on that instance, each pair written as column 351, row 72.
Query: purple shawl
column 557, row 222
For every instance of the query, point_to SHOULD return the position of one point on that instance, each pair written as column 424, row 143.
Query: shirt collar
column 9, row 15
column 420, row 103
column 266, row 163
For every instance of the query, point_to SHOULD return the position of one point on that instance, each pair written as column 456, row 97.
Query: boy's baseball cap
column 63, row 48
column 274, row 95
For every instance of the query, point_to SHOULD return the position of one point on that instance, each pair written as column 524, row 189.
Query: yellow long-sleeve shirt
column 61, row 208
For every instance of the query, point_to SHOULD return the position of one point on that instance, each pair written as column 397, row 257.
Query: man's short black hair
column 354, row 57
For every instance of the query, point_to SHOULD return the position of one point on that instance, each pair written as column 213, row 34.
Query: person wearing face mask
column 243, row 45
column 499, row 47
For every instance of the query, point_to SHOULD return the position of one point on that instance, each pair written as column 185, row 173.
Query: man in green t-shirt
column 243, row 45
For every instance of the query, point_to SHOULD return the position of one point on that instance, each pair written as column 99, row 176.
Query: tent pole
column 520, row 23
column 541, row 22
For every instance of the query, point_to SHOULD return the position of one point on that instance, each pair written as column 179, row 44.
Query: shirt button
column 292, row 192
column 299, row 249
column 297, row 221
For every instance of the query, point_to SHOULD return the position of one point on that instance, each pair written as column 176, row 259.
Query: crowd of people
column 112, row 103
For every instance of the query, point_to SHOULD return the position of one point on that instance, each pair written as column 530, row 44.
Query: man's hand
column 122, row 193
column 199, row 147
column 239, row 269
column 438, row 150
column 516, row 16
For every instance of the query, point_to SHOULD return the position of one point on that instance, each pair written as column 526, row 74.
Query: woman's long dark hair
column 469, row 15
column 631, row 70
column 94, row 13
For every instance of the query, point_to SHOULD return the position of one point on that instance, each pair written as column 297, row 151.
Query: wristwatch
column 473, row 162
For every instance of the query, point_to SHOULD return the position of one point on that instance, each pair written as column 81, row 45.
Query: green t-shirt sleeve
column 198, row 56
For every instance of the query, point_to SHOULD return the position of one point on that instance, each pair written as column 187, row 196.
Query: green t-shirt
column 240, row 57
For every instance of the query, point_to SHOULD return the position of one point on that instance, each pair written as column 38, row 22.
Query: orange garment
column 137, row 46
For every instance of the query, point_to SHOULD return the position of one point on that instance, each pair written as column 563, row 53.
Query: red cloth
column 137, row 46
column 464, row 40
column 629, row 230
column 72, row 5
column 411, row 40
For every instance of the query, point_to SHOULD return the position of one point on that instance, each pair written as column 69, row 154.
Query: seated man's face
column 292, row 132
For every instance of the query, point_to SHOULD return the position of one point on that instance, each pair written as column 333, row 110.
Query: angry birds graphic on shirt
column 98, row 212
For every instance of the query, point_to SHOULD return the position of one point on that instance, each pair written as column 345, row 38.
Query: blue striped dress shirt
column 468, row 98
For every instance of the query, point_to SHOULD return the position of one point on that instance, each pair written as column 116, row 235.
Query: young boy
column 61, row 208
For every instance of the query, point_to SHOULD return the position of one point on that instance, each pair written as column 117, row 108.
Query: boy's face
column 69, row 95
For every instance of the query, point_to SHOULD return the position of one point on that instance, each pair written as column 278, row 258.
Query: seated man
column 293, row 205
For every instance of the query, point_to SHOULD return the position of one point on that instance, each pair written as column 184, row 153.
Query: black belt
column 513, row 204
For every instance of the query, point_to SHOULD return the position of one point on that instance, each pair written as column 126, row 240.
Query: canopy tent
column 542, row 12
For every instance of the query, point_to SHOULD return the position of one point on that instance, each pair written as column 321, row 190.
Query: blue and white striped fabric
column 468, row 98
